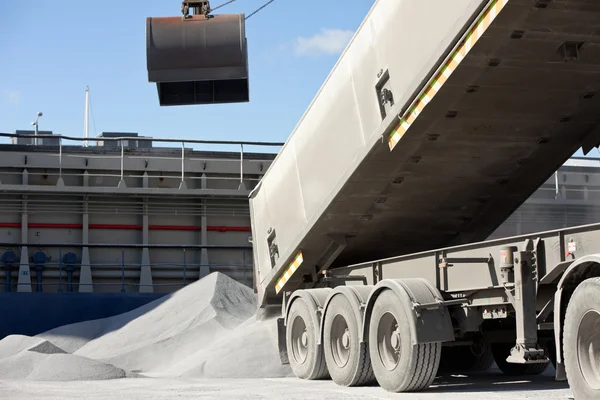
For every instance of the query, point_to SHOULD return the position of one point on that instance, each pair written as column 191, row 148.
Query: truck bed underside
column 518, row 106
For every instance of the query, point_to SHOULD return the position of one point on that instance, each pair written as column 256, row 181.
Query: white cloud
column 328, row 41
column 13, row 96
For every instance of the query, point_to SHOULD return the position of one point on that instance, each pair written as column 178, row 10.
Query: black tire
column 348, row 360
column 476, row 358
column 581, row 340
column 501, row 351
column 416, row 366
column 305, row 356
column 550, row 348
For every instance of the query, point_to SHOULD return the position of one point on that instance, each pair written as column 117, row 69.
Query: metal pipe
column 166, row 140
column 182, row 162
column 184, row 266
column 122, row 270
column 60, row 269
column 69, row 280
column 242, row 164
column 119, row 274
column 87, row 117
column 122, row 159
column 127, row 227
column 60, row 161
column 7, row 284
column 128, row 246
column 39, row 280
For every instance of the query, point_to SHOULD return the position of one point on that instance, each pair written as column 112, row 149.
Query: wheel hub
column 300, row 340
column 389, row 341
column 588, row 348
column 304, row 339
column 346, row 340
column 340, row 341
column 395, row 340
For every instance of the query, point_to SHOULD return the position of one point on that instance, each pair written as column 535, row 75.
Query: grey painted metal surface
column 198, row 60
column 476, row 266
column 494, row 132
column 53, row 210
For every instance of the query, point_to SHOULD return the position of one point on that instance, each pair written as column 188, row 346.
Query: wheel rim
column 340, row 341
column 299, row 340
column 588, row 348
column 388, row 341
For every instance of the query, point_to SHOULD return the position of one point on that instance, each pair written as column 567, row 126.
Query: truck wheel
column 305, row 356
column 347, row 358
column 502, row 350
column 550, row 348
column 475, row 358
column 399, row 366
column 581, row 340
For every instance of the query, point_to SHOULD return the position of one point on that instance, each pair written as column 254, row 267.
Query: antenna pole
column 87, row 114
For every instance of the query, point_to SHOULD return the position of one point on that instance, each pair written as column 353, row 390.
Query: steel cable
column 248, row 16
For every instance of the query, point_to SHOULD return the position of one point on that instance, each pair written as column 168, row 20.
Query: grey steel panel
column 463, row 277
column 343, row 123
column 470, row 159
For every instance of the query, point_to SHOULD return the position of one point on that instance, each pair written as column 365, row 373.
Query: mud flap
column 281, row 343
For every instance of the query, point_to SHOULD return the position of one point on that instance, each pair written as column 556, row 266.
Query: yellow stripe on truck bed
column 435, row 84
column 287, row 274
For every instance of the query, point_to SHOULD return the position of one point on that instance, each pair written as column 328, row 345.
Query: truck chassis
column 523, row 302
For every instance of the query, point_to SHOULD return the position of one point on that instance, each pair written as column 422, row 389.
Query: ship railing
column 123, row 144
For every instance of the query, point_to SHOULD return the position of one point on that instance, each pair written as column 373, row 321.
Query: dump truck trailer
column 438, row 121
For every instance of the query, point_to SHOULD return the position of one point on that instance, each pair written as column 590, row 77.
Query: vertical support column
column 526, row 350
column 60, row 182
column 182, row 185
column 242, row 185
column 122, row 180
column 85, row 271
column 146, row 269
column 204, row 268
column 24, row 280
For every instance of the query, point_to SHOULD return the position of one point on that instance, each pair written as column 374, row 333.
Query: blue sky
column 51, row 49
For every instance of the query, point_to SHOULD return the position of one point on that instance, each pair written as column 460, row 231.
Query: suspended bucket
column 198, row 60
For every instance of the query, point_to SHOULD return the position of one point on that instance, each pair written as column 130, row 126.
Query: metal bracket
column 570, row 50
column 198, row 7
column 272, row 246
column 330, row 278
column 526, row 355
column 446, row 262
column 385, row 96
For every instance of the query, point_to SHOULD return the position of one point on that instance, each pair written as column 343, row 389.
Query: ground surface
column 489, row 386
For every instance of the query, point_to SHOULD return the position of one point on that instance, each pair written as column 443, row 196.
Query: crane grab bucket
column 198, row 59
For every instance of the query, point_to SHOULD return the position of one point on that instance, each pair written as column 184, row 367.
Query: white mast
column 87, row 114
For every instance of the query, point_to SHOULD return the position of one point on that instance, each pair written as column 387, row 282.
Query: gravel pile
column 250, row 351
column 45, row 361
column 208, row 329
